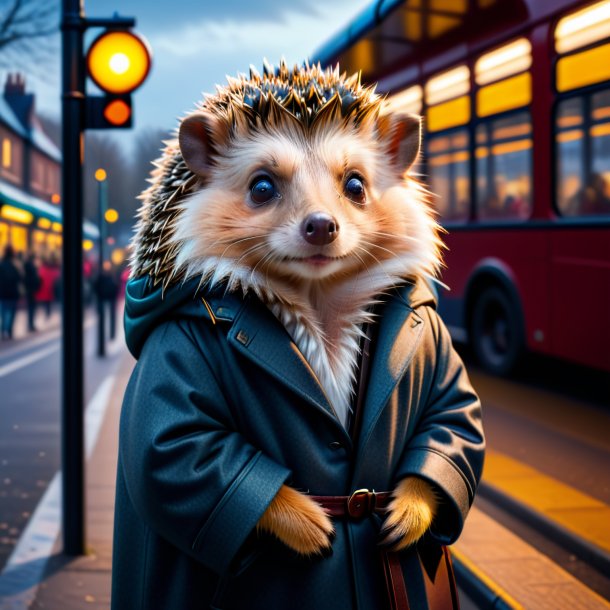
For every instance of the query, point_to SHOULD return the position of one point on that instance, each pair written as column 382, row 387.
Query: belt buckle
column 361, row 503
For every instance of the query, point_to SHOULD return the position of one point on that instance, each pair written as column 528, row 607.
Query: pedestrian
column 10, row 281
column 107, row 290
column 49, row 276
column 32, row 284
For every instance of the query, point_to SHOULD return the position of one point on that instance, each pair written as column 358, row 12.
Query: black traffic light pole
column 73, row 26
column 73, row 104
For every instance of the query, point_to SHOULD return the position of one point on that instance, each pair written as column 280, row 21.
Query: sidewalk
column 84, row 582
column 43, row 324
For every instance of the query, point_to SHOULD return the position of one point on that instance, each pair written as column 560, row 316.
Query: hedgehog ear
column 401, row 133
column 196, row 137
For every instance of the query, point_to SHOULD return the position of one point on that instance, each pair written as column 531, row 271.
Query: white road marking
column 47, row 337
column 25, row 567
column 20, row 363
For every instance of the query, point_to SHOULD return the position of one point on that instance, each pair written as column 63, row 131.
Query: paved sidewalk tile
column 528, row 576
column 84, row 582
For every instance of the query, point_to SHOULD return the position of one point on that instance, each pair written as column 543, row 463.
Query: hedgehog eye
column 262, row 190
column 354, row 188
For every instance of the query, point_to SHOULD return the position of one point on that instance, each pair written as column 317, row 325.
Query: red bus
column 515, row 96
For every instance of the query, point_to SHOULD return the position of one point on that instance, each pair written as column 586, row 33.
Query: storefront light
column 16, row 214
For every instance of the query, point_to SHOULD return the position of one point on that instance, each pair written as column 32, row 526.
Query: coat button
column 243, row 337
column 335, row 445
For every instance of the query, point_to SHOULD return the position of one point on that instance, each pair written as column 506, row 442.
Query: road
column 30, row 420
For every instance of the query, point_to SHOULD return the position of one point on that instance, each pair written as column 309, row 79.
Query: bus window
column 600, row 152
column 570, row 155
column 580, row 30
column 447, row 99
column 407, row 100
column 583, row 180
column 504, row 168
column 449, row 174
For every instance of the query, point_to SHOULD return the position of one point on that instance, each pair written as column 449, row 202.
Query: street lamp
column 101, row 176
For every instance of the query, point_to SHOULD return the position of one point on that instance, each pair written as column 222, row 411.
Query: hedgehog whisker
column 239, row 241
column 378, row 262
column 374, row 245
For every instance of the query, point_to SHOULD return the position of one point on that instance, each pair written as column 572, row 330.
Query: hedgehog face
column 298, row 204
column 293, row 175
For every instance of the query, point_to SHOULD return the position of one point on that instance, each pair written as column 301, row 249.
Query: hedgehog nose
column 319, row 229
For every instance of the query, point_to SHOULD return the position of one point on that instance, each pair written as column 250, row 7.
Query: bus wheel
column 497, row 338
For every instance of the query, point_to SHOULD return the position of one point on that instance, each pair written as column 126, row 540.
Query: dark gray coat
column 222, row 409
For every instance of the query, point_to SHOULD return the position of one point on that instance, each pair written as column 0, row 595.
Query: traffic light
column 118, row 62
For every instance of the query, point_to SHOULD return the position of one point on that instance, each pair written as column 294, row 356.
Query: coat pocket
column 254, row 549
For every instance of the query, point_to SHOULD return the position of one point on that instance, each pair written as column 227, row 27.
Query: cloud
column 295, row 35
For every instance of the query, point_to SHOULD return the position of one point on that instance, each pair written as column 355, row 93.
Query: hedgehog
column 282, row 256
column 309, row 106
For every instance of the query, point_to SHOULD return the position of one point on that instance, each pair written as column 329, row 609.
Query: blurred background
column 515, row 96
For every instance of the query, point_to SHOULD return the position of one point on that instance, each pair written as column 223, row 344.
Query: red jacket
column 48, row 277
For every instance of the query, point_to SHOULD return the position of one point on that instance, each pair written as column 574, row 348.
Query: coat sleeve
column 447, row 446
column 190, row 475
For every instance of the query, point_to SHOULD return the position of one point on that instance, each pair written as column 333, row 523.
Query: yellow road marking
column 579, row 513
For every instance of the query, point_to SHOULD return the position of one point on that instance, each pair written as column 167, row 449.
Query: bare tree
column 28, row 33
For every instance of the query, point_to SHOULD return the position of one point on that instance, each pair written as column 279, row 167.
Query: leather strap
column 395, row 581
column 442, row 591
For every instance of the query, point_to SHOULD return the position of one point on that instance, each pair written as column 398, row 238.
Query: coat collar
column 257, row 334
column 399, row 333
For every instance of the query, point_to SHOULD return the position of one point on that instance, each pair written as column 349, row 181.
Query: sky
column 196, row 43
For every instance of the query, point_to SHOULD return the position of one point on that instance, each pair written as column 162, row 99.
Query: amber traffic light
column 118, row 62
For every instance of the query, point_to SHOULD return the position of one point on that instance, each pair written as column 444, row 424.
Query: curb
column 479, row 587
column 585, row 550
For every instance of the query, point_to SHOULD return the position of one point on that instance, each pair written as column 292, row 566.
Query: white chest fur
column 331, row 352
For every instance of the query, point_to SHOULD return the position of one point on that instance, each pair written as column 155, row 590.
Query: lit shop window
column 4, row 231
column 6, row 153
column 582, row 143
column 449, row 175
column 19, row 238
column 575, row 31
column 504, row 168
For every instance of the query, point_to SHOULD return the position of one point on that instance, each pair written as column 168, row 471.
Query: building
column 30, row 176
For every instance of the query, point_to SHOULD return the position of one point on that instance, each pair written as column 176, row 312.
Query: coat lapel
column 258, row 335
column 399, row 334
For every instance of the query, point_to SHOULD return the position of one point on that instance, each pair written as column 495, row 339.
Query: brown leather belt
column 362, row 503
